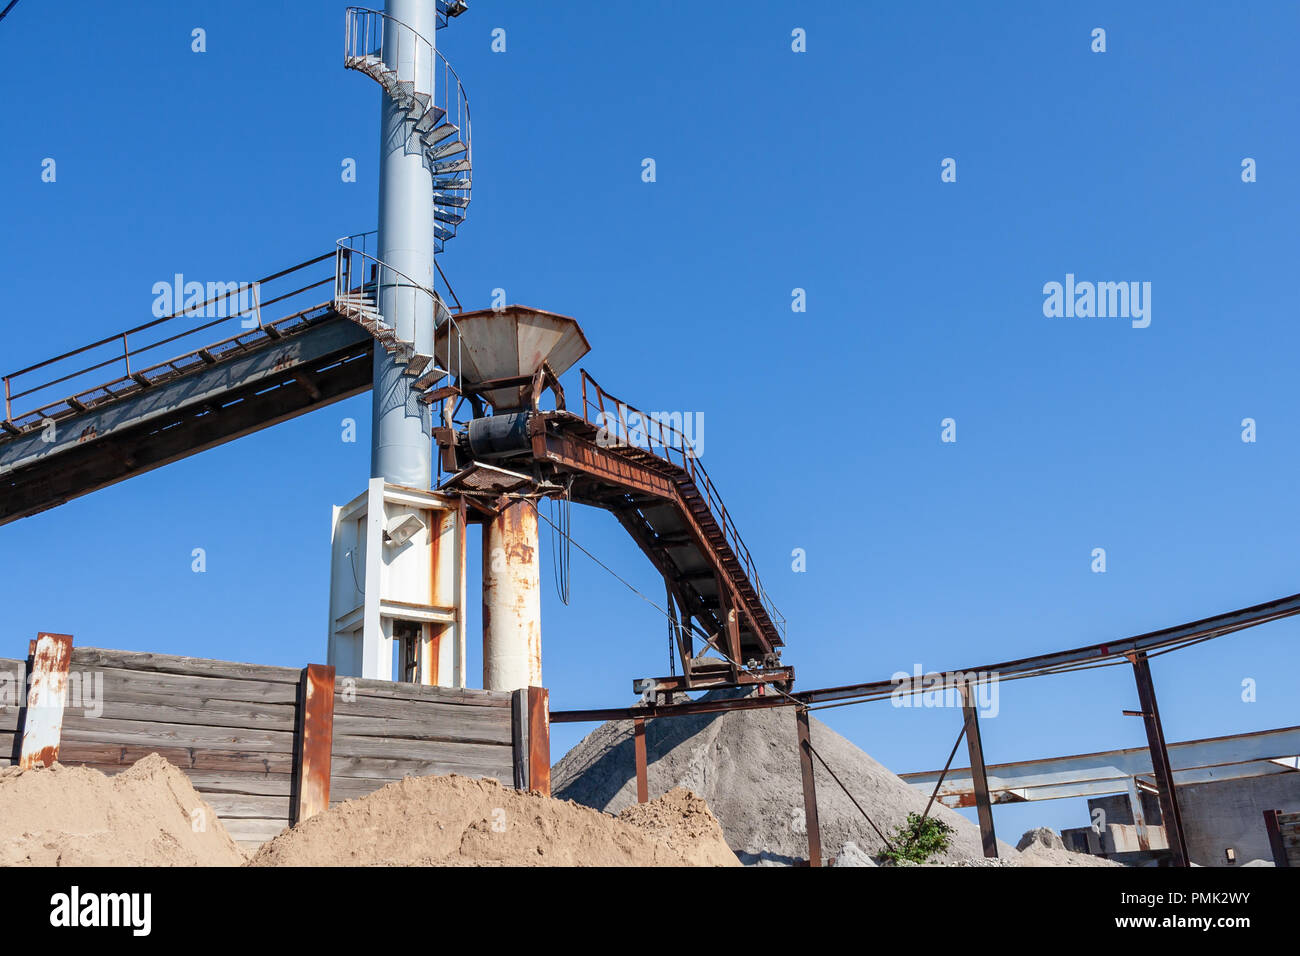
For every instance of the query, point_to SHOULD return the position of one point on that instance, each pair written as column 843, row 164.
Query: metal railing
column 230, row 318
column 359, row 274
column 400, row 49
column 652, row 433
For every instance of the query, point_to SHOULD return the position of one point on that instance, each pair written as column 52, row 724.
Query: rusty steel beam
column 1117, row 650
column 975, row 748
column 42, row 729
column 642, row 783
column 1171, row 818
column 539, row 740
column 577, row 454
column 672, row 710
column 782, row 676
column 315, row 741
column 811, row 821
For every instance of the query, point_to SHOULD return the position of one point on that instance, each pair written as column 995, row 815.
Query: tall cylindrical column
column 401, row 450
column 512, row 600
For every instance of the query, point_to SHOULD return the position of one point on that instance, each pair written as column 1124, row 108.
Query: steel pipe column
column 401, row 450
column 512, row 600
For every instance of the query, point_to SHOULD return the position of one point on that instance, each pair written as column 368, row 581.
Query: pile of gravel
column 745, row 764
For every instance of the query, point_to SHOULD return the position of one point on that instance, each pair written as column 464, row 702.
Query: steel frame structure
column 1134, row 649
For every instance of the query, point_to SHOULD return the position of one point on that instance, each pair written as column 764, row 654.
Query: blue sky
column 776, row 170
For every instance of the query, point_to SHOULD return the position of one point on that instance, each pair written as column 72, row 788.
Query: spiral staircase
column 425, row 87
column 422, row 83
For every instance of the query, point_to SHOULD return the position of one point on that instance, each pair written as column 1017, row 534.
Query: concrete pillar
column 512, row 600
column 401, row 450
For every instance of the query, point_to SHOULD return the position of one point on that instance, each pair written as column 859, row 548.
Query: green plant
column 919, row 839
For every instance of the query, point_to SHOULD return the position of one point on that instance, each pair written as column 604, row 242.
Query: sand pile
column 75, row 816
column 1044, row 847
column 746, row 766
column 460, row 821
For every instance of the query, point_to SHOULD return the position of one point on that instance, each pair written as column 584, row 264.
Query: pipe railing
column 81, row 378
column 652, row 433
column 412, row 70
column 359, row 272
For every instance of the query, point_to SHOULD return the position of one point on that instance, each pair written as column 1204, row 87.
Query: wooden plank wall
column 385, row 731
column 234, row 728
column 229, row 726
column 13, row 676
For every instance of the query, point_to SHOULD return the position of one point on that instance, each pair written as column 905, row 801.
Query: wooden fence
column 265, row 746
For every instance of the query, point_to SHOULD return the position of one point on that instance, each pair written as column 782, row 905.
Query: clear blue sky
column 775, row 170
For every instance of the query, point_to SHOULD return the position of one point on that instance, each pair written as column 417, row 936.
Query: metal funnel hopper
column 511, row 343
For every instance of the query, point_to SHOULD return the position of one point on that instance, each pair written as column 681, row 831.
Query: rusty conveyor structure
column 107, row 411
column 674, row 514
column 645, row 471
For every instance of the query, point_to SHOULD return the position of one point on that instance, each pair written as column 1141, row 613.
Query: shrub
column 919, row 839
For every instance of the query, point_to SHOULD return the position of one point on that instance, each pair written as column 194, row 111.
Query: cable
column 813, row 751
column 4, row 13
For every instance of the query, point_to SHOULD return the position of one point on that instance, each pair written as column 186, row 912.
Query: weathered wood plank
column 249, row 784
column 232, row 806
column 191, row 666
column 141, row 733
column 176, row 709
column 417, row 709
column 346, row 745
column 364, row 687
column 452, row 728
column 118, row 680
column 493, row 762
column 7, row 748
column 13, row 692
column 112, row 757
column 251, row 833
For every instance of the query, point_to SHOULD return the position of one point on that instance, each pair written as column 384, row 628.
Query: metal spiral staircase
column 425, row 87
column 421, row 81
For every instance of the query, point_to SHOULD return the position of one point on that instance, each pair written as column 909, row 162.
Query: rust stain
column 51, row 657
column 317, row 743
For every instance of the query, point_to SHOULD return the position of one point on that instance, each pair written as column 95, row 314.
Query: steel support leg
column 809, row 788
column 642, row 785
column 977, row 772
column 1173, row 820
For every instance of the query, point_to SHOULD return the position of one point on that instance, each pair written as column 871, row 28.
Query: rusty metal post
column 43, row 721
column 315, row 741
column 642, row 784
column 1139, row 814
column 512, row 600
column 1276, row 843
column 1171, row 818
column 442, row 657
column 809, row 787
column 979, row 776
column 539, row 740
